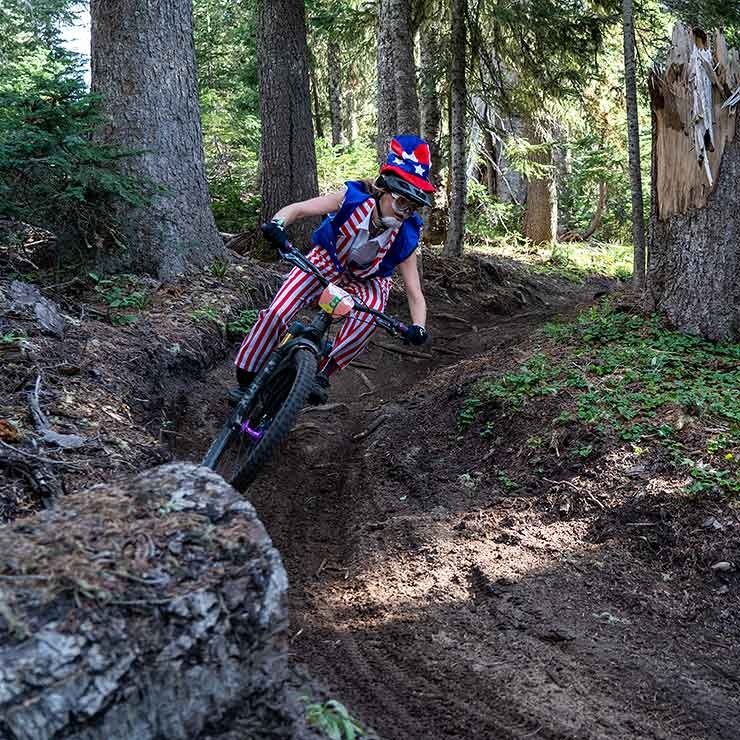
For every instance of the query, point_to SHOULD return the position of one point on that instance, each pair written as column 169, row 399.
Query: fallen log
column 153, row 609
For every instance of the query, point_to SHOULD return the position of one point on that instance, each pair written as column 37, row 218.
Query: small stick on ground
column 402, row 351
column 380, row 420
column 363, row 365
column 325, row 407
column 365, row 379
column 517, row 317
column 452, row 317
column 445, row 351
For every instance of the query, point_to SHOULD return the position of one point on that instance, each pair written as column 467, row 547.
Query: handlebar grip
column 402, row 328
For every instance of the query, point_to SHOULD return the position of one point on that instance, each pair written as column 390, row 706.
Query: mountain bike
column 269, row 407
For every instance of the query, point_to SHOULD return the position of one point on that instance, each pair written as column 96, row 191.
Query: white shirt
column 363, row 249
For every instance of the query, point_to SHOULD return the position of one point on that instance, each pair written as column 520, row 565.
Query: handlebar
column 290, row 254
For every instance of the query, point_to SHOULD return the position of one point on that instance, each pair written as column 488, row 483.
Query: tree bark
column 316, row 105
column 351, row 125
column 492, row 155
column 386, row 103
column 458, row 133
column 633, row 137
column 334, row 61
column 150, row 609
column 287, row 152
column 541, row 213
column 143, row 65
column 407, row 100
column 431, row 113
column 693, row 272
column 431, row 109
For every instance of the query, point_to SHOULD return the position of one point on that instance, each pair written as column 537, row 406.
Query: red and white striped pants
column 298, row 290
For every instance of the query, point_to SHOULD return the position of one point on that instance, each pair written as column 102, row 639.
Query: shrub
column 52, row 173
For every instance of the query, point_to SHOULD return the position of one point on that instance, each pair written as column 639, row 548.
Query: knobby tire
column 303, row 363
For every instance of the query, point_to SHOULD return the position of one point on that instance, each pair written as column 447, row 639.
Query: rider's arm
column 314, row 207
column 417, row 304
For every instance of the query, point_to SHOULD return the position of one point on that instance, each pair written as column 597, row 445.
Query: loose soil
column 439, row 598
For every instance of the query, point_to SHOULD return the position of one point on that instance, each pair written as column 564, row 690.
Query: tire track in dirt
column 316, row 502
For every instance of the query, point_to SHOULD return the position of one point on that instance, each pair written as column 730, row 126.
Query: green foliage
column 228, row 92
column 709, row 14
column 336, row 164
column 487, row 218
column 121, row 294
column 332, row 719
column 235, row 206
column 51, row 172
column 220, row 268
column 530, row 51
column 629, row 376
column 573, row 261
column 243, row 323
column 591, row 163
column 205, row 314
column 12, row 336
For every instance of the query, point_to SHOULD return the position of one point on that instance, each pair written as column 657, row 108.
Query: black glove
column 416, row 334
column 275, row 233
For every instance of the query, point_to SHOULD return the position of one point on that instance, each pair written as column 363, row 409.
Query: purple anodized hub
column 255, row 435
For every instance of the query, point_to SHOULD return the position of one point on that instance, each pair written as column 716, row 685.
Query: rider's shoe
column 319, row 393
column 244, row 378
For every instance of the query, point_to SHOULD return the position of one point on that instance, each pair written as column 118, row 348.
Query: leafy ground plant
column 628, row 377
column 124, row 297
column 242, row 324
column 333, row 720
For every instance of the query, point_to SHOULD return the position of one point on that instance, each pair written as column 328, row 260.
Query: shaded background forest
column 532, row 163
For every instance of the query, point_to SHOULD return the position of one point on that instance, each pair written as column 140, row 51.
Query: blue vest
column 406, row 241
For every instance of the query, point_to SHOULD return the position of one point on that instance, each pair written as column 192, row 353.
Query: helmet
column 406, row 169
column 396, row 184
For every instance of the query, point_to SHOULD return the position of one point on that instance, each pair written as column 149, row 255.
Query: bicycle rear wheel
column 271, row 415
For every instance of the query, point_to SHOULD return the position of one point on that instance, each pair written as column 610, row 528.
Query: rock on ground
column 151, row 609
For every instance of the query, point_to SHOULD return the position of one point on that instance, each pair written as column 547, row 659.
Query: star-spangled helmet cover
column 409, row 159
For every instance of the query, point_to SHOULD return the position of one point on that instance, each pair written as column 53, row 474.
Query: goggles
column 402, row 205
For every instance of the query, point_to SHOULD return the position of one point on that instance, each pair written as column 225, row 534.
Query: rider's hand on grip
column 416, row 335
column 275, row 234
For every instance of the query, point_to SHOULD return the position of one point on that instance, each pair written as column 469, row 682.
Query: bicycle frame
column 311, row 337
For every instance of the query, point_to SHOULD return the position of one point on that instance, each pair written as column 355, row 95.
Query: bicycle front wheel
column 267, row 423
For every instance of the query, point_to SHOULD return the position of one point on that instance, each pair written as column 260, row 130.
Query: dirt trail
column 427, row 593
column 437, row 607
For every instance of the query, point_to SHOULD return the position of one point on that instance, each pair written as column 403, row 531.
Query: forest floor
column 473, row 549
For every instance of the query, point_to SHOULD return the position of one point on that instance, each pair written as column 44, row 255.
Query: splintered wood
column 694, row 101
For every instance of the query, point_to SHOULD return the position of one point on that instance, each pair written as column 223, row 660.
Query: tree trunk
column 352, row 101
column 511, row 186
column 407, row 100
column 316, row 105
column 633, row 137
column 153, row 608
column 386, row 102
column 694, row 258
column 143, row 65
column 334, row 61
column 431, row 113
column 287, row 150
column 491, row 155
column 458, row 133
column 541, row 213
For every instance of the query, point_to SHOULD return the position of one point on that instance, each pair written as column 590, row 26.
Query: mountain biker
column 370, row 228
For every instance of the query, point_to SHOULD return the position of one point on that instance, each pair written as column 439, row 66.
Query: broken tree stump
column 693, row 273
column 153, row 609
